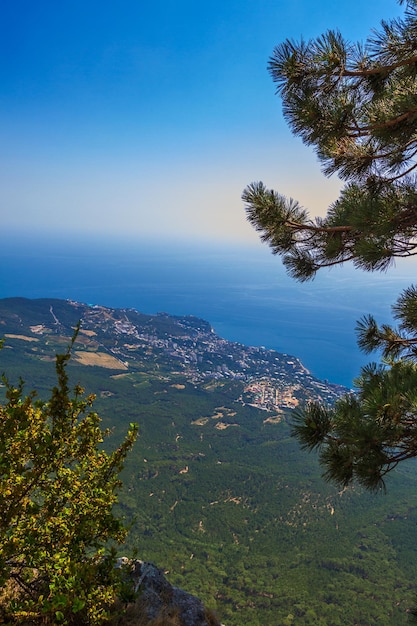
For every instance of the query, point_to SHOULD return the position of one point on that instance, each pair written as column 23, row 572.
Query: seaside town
column 182, row 347
column 272, row 381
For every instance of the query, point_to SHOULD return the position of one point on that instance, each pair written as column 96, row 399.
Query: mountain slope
column 216, row 490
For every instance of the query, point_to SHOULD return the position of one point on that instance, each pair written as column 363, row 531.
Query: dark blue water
column 243, row 292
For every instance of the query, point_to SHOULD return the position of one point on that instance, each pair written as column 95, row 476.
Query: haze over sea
column 243, row 291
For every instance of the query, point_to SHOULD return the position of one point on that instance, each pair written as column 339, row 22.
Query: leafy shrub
column 57, row 490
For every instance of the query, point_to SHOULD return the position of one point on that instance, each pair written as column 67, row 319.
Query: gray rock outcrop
column 159, row 599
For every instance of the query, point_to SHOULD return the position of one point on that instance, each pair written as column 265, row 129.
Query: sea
column 241, row 289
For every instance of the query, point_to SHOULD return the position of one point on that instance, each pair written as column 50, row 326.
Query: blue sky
column 143, row 118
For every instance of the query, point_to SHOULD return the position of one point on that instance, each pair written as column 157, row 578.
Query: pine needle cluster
column 356, row 105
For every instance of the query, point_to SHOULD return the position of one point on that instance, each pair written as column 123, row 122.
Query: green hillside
column 216, row 491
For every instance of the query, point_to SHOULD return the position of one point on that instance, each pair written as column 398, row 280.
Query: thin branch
column 331, row 263
column 410, row 169
column 365, row 130
column 383, row 69
column 318, row 229
column 386, row 155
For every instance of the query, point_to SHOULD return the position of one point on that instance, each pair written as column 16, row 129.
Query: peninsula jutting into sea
column 128, row 341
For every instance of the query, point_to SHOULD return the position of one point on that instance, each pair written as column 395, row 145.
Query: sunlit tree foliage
column 57, row 490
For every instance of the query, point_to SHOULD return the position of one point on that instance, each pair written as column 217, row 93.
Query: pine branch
column 380, row 69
